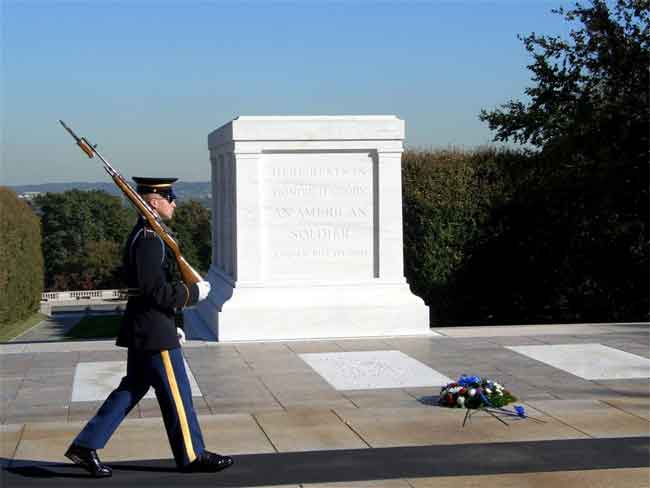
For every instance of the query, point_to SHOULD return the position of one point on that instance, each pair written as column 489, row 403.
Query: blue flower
column 520, row 411
column 466, row 381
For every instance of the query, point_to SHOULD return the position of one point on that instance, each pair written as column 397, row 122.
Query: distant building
column 29, row 195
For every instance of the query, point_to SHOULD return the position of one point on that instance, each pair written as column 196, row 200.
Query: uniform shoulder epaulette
column 149, row 233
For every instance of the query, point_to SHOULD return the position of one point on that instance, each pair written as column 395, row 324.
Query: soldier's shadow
column 43, row 470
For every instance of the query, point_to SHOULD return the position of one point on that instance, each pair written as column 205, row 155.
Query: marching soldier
column 149, row 331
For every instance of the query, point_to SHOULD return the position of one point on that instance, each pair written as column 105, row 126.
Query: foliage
column 83, row 235
column 191, row 225
column 560, row 250
column 21, row 259
column 448, row 196
column 590, row 100
column 490, row 237
column 570, row 243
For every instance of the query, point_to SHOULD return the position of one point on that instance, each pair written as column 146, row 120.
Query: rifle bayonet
column 189, row 274
column 81, row 141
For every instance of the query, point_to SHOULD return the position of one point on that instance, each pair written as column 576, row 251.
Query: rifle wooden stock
column 188, row 274
column 85, row 147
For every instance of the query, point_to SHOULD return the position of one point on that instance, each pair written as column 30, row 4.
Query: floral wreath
column 475, row 392
column 481, row 394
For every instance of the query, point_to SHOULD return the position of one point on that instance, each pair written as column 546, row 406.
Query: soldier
column 149, row 331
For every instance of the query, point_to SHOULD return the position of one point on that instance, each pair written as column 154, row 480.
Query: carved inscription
column 318, row 215
column 319, row 191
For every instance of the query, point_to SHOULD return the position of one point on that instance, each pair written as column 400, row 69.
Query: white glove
column 204, row 289
column 181, row 335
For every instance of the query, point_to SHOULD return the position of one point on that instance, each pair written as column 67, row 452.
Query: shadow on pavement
column 47, row 471
column 348, row 465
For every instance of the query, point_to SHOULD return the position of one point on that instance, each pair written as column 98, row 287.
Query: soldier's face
column 164, row 208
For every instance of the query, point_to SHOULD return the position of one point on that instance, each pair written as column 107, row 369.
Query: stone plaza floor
column 351, row 412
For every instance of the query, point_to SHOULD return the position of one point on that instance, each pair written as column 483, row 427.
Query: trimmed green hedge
column 21, row 259
column 502, row 237
column 447, row 199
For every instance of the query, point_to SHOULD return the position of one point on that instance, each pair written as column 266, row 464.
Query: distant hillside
column 200, row 190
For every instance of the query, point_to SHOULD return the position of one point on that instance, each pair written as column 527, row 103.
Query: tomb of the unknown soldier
column 307, row 230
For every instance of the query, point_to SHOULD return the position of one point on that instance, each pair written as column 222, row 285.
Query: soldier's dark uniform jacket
column 149, row 320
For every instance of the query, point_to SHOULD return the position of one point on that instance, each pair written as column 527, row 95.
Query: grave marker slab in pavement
column 589, row 361
column 367, row 370
column 94, row 381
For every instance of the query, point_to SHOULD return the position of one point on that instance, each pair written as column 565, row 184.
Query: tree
column 191, row 225
column 21, row 259
column 572, row 242
column 590, row 100
column 83, row 235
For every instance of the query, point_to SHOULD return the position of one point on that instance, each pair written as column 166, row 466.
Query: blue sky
column 148, row 80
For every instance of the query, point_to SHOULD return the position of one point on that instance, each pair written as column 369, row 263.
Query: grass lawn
column 96, row 328
column 9, row 331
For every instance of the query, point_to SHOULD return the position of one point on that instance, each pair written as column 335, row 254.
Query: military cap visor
column 161, row 186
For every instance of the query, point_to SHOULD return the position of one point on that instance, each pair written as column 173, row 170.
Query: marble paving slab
column 589, row 361
column 94, row 381
column 368, row 370
column 9, row 438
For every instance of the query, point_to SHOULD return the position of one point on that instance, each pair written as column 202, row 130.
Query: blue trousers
column 165, row 371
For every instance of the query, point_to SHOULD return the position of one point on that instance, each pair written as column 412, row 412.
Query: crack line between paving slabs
column 264, row 432
column 620, row 409
column 252, row 414
column 564, row 423
column 261, row 380
column 349, row 426
column 20, row 439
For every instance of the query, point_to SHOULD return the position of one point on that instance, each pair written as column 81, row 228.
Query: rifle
column 188, row 274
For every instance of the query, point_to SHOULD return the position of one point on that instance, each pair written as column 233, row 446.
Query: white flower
column 461, row 401
column 488, row 391
column 472, row 392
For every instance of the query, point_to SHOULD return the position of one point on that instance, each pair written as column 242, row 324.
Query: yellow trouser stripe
column 178, row 401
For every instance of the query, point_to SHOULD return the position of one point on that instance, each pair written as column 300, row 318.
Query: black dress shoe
column 208, row 462
column 88, row 459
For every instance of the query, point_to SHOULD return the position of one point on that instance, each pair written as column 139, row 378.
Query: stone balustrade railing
column 57, row 296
